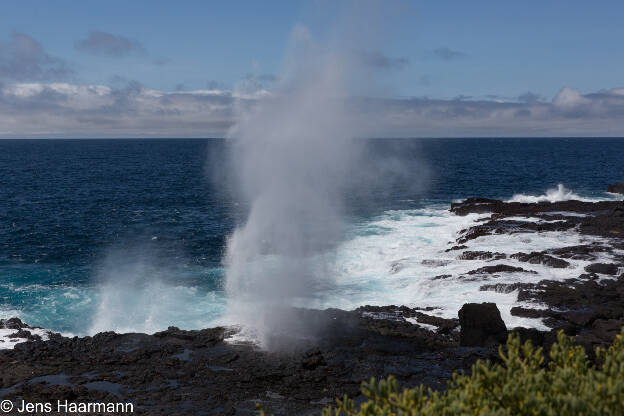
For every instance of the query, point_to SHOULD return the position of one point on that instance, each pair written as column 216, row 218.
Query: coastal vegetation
column 525, row 383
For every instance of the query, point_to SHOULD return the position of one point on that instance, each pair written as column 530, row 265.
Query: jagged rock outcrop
column 481, row 325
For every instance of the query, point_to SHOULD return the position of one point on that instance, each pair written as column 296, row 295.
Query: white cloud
column 569, row 98
column 61, row 109
column 70, row 110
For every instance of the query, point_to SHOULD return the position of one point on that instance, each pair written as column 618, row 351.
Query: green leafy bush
column 522, row 385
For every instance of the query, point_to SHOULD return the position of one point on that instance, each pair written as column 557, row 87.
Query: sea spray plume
column 142, row 288
column 296, row 164
column 129, row 283
column 292, row 153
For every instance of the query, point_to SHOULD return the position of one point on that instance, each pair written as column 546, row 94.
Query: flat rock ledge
column 205, row 372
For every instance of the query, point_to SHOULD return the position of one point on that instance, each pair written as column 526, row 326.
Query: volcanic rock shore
column 208, row 372
column 589, row 306
column 201, row 372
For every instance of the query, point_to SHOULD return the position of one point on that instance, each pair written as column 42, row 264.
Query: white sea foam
column 426, row 326
column 531, row 219
column 6, row 313
column 560, row 193
column 6, row 342
column 395, row 258
column 566, row 213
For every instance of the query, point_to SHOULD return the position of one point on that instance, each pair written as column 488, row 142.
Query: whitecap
column 560, row 193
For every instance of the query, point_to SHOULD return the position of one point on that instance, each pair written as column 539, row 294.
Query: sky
column 175, row 69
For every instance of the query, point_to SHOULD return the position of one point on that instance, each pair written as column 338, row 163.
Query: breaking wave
column 560, row 193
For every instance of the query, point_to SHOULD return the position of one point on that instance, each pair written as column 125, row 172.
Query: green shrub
column 522, row 385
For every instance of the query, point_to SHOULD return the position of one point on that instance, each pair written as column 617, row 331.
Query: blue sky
column 509, row 47
column 447, row 50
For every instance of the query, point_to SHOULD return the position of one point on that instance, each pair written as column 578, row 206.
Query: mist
column 295, row 158
column 147, row 288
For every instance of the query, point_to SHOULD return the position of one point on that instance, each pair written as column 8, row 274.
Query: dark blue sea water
column 129, row 234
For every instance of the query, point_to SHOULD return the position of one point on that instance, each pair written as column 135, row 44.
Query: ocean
column 129, row 235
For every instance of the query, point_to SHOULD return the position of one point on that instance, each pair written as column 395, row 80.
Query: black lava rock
column 603, row 268
column 481, row 255
column 616, row 188
column 541, row 258
column 500, row 268
column 481, row 325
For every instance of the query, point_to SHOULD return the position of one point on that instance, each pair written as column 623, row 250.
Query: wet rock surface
column 590, row 306
column 604, row 218
column 481, row 325
column 16, row 331
column 541, row 258
column 500, row 268
column 12, row 323
column 604, row 268
column 200, row 372
column 581, row 252
column 481, row 255
column 495, row 206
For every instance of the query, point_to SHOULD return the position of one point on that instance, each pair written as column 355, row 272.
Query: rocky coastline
column 589, row 306
column 208, row 372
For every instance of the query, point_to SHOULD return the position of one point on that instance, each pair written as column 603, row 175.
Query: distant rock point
column 616, row 188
